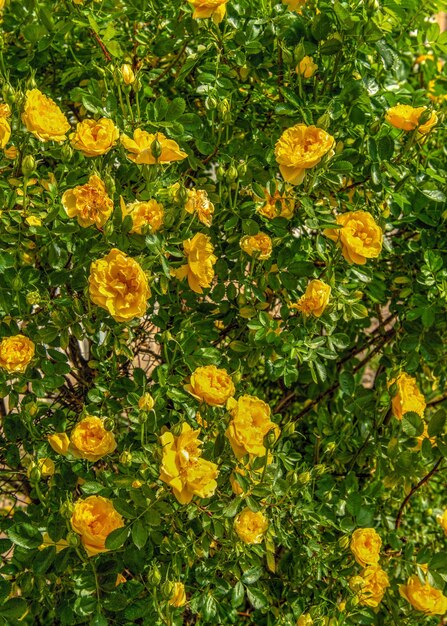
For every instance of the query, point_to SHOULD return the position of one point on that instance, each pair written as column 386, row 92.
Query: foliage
column 225, row 93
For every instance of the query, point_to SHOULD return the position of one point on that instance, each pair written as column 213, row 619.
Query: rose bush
column 223, row 313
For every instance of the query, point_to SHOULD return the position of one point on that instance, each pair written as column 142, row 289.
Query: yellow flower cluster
column 182, row 467
column 370, row 585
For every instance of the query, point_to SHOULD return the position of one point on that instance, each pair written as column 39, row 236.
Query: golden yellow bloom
column 5, row 132
column 47, row 542
column 43, row 117
column 199, row 268
column 259, row 246
column 46, row 467
column 251, row 526
column 178, row 597
column 16, row 353
column 215, row 9
column 408, row 397
column 118, row 284
column 300, row 148
column 442, row 519
column 424, row 597
column 32, row 220
column 294, row 5
column 432, row 92
column 140, row 151
column 406, row 117
column 90, row 440
column 95, row 137
column 307, row 67
column 370, row 585
column 59, row 442
column 11, row 152
column 277, row 205
column 145, row 214
column 359, row 236
column 305, row 620
column 183, row 469
column 127, row 73
column 315, row 299
column 94, row 519
column 211, row 385
column 5, row 110
column 198, row 202
column 365, row 546
column 89, row 203
column 250, row 424
column 146, row 402
column 120, row 579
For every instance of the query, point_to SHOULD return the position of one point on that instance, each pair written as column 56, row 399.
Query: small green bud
column 176, row 429
column 34, row 473
column 167, row 589
column 182, row 195
column 125, row 458
column 73, row 539
column 156, row 149
column 324, row 121
column 270, row 439
column 66, row 508
column 242, row 168
column 154, row 576
column 33, row 297
column 66, row 153
column 232, row 174
column 210, row 103
column 304, row 478
column 220, row 173
column 109, row 423
column 320, row 469
column 28, row 165
column 344, row 541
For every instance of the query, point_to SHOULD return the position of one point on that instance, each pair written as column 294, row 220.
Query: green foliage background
column 225, row 93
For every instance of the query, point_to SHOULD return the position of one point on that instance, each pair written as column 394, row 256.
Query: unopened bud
column 34, row 473
column 125, row 458
column 210, row 103
column 176, row 429
column 146, row 402
column 66, row 508
column 242, row 168
column 231, row 174
column 344, row 541
column 154, row 576
column 156, row 149
column 66, row 153
column 167, row 589
column 109, row 423
column 320, row 469
column 304, row 478
column 220, row 173
column 72, row 539
column 127, row 74
column 324, row 121
column 269, row 439
column 28, row 165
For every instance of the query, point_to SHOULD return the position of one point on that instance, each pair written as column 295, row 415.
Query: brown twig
column 100, row 43
column 423, row 480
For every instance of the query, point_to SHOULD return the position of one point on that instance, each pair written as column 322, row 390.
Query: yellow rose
column 251, row 526
column 47, row 542
column 307, row 67
column 46, row 467
column 424, row 597
column 300, row 148
column 43, row 117
column 294, row 5
column 5, row 132
column 118, row 284
column 199, row 269
column 178, row 597
column 198, row 202
column 95, row 137
column 406, row 117
column 359, row 236
column 90, row 440
column 89, row 203
column 365, row 546
column 370, row 585
column 183, row 469
column 250, row 424
column 5, row 110
column 140, row 148
column 146, row 402
column 59, row 442
column 442, row 519
column 315, row 299
column 94, row 519
column 11, row 152
column 305, row 620
column 16, row 353
column 211, row 385
column 145, row 214
column 432, row 92
column 259, row 246
column 408, row 397
column 277, row 205
column 127, row 73
column 215, row 9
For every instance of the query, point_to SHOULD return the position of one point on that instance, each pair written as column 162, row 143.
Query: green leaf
column 347, row 383
column 116, row 538
column 25, row 535
column 257, row 598
column 14, row 608
column 175, row 109
column 237, row 595
column 252, row 575
column 434, row 194
column 412, row 424
column 139, row 533
column 436, row 425
column 232, row 508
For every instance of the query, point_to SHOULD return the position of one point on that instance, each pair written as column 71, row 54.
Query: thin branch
column 422, row 482
column 100, row 43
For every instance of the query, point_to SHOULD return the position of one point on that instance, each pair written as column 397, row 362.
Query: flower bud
column 210, row 103
column 167, row 589
column 231, row 174
column 344, row 541
column 34, row 473
column 304, row 478
column 177, row 429
column 46, row 467
column 125, row 458
column 72, row 539
column 224, row 106
column 156, row 149
column 66, row 508
column 109, row 423
column 66, row 153
column 269, row 439
column 127, row 74
column 154, row 576
column 320, row 469
column 242, row 168
column 220, row 173
column 8, row 93
column 146, row 402
column 324, row 121
column 11, row 153
column 28, row 165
